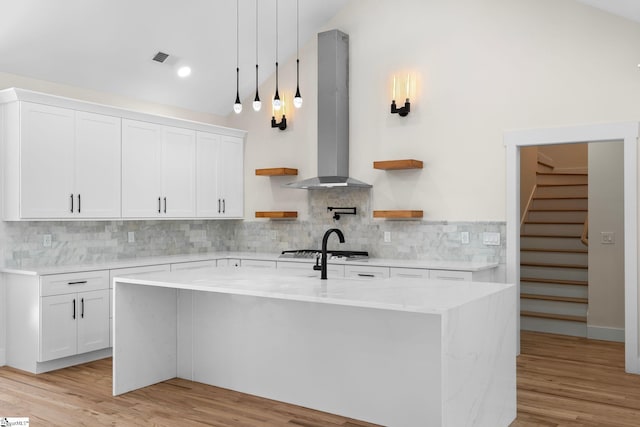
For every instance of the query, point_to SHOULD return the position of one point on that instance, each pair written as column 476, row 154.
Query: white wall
column 482, row 67
column 606, row 261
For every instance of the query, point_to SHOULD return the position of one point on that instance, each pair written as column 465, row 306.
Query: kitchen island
column 400, row 352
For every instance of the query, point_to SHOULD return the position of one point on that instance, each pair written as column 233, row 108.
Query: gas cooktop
column 331, row 254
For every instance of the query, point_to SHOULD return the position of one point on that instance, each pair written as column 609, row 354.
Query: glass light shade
column 277, row 104
column 257, row 105
column 297, row 101
column 237, row 108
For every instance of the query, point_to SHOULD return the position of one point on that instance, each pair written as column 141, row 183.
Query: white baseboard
column 605, row 333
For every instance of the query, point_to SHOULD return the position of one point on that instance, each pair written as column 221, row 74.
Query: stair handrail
column 584, row 238
column 526, row 209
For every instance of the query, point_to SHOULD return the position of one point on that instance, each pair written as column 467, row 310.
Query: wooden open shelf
column 398, row 164
column 398, row 214
column 277, row 214
column 276, row 172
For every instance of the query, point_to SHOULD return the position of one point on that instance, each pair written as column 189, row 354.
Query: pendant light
column 237, row 107
column 257, row 105
column 276, row 98
column 297, row 100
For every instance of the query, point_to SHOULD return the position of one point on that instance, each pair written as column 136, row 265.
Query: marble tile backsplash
column 99, row 241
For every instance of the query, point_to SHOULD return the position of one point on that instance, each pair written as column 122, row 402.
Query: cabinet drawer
column 257, row 263
column 410, row 273
column 450, row 275
column 59, row 284
column 365, row 271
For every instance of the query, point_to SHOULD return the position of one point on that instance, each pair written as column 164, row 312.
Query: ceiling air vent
column 160, row 57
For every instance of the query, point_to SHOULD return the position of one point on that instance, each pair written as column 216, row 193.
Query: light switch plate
column 491, row 238
column 46, row 240
column 387, row 237
column 464, row 237
column 607, row 237
column 131, row 237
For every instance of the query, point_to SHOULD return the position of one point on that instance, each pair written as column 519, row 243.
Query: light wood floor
column 562, row 381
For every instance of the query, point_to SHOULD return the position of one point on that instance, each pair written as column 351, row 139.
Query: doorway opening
column 627, row 133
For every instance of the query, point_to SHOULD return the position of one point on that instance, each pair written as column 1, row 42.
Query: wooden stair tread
column 554, row 197
column 555, row 298
column 544, row 264
column 562, row 184
column 554, row 222
column 563, row 173
column 581, row 319
column 566, row 251
column 555, row 281
column 565, row 236
column 532, row 209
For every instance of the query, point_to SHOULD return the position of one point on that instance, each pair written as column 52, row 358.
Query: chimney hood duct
column 333, row 115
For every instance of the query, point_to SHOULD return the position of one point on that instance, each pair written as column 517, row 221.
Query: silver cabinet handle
column 165, row 205
column 159, row 211
column 74, row 308
column 79, row 282
column 366, row 275
column 82, row 308
column 79, row 203
column 224, row 205
column 219, row 210
column 71, row 202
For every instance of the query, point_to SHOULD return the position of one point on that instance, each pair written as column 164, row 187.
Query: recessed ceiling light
column 184, row 71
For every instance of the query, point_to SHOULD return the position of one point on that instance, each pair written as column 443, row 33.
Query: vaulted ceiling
column 108, row 45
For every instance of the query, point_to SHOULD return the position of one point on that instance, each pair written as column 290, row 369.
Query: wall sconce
column 404, row 110
column 282, row 125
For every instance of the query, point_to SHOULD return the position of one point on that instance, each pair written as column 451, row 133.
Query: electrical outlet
column 131, row 237
column 464, row 237
column 387, row 237
column 491, row 238
column 46, row 240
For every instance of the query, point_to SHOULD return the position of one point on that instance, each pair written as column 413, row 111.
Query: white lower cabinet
column 366, row 271
column 228, row 262
column 409, row 273
column 73, row 323
column 450, row 275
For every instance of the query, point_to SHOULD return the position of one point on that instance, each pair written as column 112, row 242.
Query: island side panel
column 376, row 365
column 145, row 336
column 479, row 356
column 185, row 334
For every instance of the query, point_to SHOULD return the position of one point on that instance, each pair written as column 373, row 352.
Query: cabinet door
column 141, row 169
column 97, row 160
column 58, row 315
column 209, row 204
column 178, row 173
column 93, row 320
column 231, row 176
column 46, row 161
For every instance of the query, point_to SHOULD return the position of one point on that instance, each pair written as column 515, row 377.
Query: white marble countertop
column 398, row 294
column 173, row 259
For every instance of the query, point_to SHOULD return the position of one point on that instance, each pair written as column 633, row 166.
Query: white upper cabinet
column 65, row 164
column 64, row 159
column 97, row 171
column 220, row 170
column 158, row 171
column 46, row 161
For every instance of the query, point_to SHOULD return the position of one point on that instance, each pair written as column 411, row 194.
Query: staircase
column 553, row 255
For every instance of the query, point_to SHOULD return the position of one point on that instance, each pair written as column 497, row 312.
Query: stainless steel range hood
column 333, row 115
